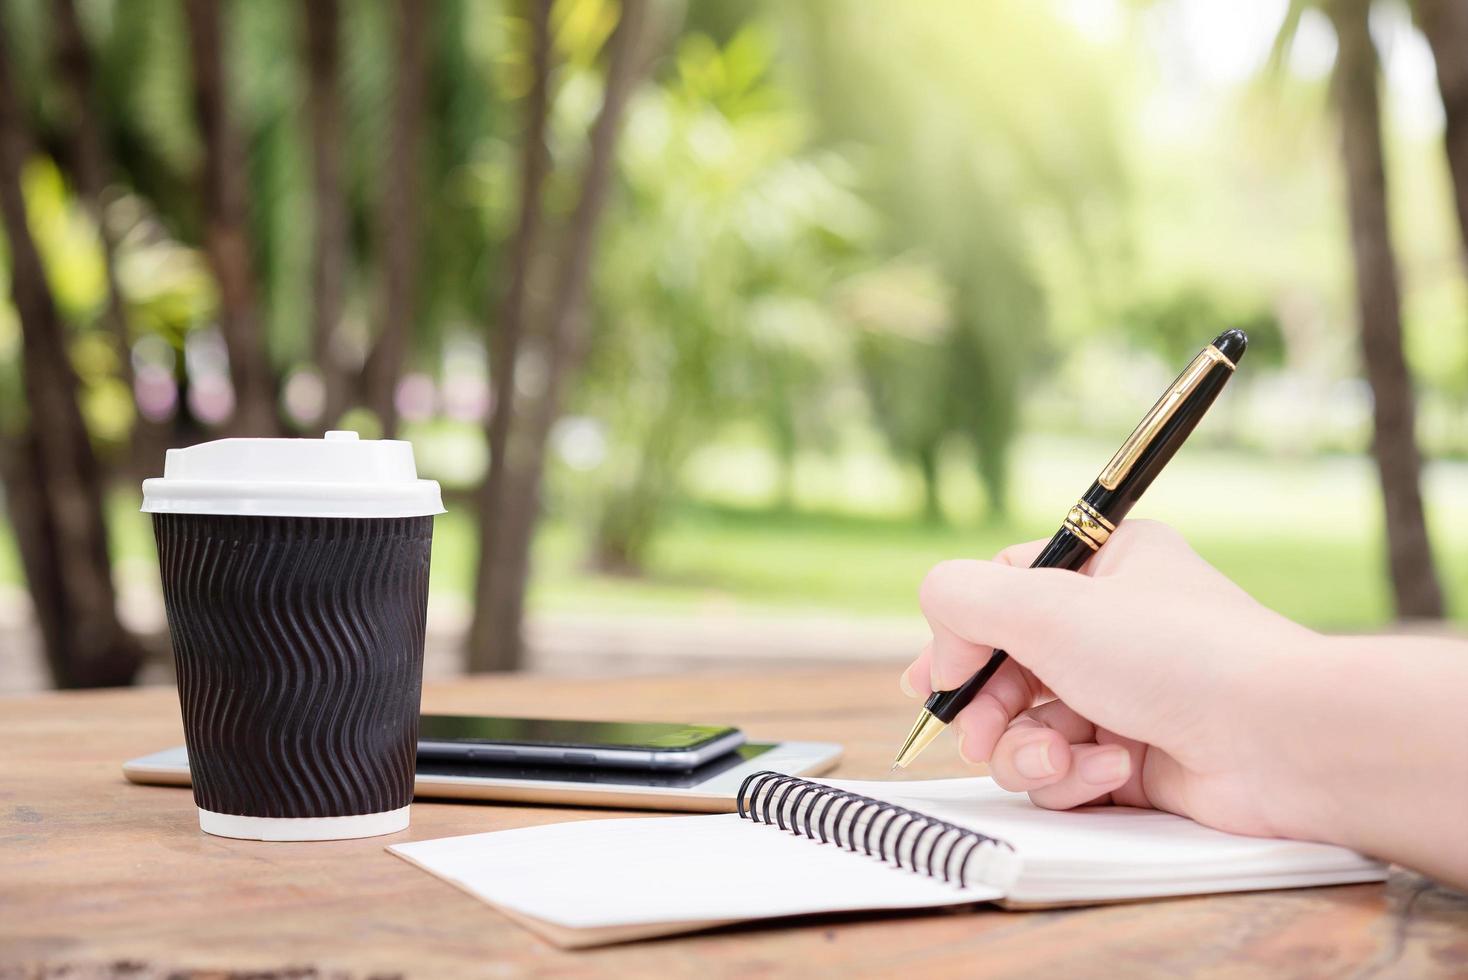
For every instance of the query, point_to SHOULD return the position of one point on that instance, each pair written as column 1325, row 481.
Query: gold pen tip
column 927, row 728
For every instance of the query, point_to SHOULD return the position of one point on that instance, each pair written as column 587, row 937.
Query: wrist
column 1320, row 735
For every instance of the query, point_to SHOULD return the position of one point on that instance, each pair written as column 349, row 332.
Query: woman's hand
column 1151, row 680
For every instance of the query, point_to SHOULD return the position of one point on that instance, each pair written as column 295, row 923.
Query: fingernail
column 907, row 686
column 963, row 752
column 1032, row 761
column 1110, row 766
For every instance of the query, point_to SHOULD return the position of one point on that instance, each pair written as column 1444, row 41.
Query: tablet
column 709, row 788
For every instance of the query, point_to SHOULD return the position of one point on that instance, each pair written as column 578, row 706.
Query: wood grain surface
column 99, row 877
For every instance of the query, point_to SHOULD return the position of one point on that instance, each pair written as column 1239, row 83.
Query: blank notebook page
column 621, row 872
column 672, row 869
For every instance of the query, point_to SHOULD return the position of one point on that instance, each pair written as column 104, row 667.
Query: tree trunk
column 53, row 482
column 559, row 339
column 483, row 653
column 1445, row 23
column 992, row 453
column 927, row 460
column 226, row 231
column 1394, row 440
column 89, row 162
column 329, row 261
column 786, row 438
column 398, row 232
column 630, row 511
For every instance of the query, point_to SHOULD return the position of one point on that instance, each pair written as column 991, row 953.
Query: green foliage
column 72, row 257
column 67, row 243
column 708, row 291
column 166, row 284
column 914, row 224
column 974, row 120
column 144, row 89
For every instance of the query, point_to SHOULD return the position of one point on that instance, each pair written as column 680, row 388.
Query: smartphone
column 580, row 744
column 710, row 788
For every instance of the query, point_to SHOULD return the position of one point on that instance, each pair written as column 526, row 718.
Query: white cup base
column 303, row 828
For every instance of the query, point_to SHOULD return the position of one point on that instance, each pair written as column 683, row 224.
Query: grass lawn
column 1301, row 535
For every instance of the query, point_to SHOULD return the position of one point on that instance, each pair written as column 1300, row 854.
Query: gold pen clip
column 1126, row 457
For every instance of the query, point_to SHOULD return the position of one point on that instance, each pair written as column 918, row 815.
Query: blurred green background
column 865, row 286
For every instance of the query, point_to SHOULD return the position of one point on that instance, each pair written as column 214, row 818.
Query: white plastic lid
column 338, row 476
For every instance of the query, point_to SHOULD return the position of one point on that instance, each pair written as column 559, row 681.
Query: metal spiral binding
column 820, row 812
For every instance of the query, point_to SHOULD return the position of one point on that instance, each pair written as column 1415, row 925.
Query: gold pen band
column 1086, row 523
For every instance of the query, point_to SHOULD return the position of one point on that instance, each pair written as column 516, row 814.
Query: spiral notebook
column 799, row 847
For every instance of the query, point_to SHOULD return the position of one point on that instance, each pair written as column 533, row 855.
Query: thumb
column 975, row 607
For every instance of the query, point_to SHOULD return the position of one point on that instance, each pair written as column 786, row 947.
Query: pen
column 1090, row 522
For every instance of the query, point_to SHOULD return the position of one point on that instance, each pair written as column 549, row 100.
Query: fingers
column 1065, row 720
column 916, row 679
column 1035, row 750
column 1022, row 555
column 1079, row 633
column 1029, row 756
column 954, row 657
column 974, row 606
column 1050, row 752
column 1094, row 772
column 1064, row 631
column 1008, row 694
column 951, row 657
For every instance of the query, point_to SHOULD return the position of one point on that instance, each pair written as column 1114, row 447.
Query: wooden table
column 95, row 871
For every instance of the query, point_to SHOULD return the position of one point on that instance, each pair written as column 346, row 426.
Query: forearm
column 1385, row 746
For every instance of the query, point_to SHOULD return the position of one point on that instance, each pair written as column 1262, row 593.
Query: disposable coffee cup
column 295, row 576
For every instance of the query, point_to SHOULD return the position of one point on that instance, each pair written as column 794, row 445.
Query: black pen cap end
column 1231, row 344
